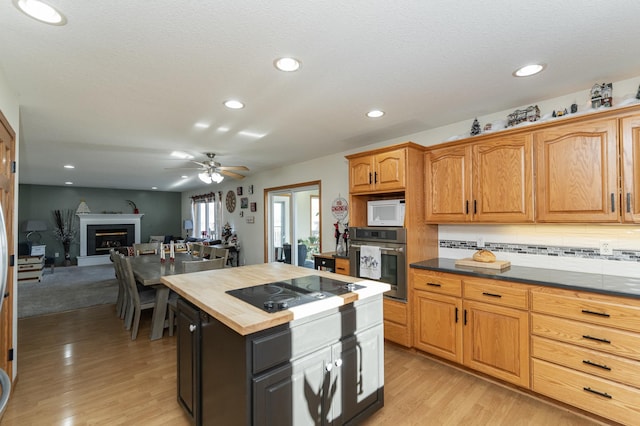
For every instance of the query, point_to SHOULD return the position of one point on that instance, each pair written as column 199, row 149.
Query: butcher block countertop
column 207, row 291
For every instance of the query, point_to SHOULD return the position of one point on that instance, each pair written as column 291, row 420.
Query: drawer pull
column 597, row 339
column 484, row 293
column 606, row 395
column 604, row 367
column 600, row 314
column 434, row 284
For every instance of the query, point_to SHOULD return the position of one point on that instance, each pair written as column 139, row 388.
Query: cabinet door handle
column 628, row 202
column 369, row 178
column 484, row 293
column 328, row 367
column 600, row 314
column 597, row 339
column 464, row 321
column 434, row 284
column 475, row 207
column 338, row 362
column 375, row 177
column 606, row 395
column 466, row 207
column 192, row 328
column 456, row 315
column 613, row 202
column 604, row 367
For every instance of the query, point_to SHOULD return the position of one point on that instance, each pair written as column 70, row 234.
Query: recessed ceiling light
column 528, row 70
column 287, row 64
column 252, row 134
column 68, row 183
column 69, row 166
column 154, row 187
column 223, row 129
column 40, row 11
column 184, row 177
column 376, row 113
column 233, row 104
column 201, row 125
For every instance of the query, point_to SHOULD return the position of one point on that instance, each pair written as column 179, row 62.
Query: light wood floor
column 81, row 367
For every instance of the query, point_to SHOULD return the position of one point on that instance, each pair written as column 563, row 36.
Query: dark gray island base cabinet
column 326, row 369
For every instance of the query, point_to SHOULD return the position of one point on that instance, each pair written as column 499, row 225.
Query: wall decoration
column 250, row 187
column 601, row 95
column 239, row 190
column 231, row 201
column 254, row 207
column 244, row 202
column 340, row 208
column 241, row 213
column 251, row 219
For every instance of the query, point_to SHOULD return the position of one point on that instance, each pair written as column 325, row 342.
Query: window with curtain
column 206, row 212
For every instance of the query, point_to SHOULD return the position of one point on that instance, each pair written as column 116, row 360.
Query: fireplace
column 102, row 238
column 100, row 232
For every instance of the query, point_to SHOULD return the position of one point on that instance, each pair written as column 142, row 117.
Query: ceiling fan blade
column 187, row 168
column 200, row 164
column 231, row 174
column 245, row 168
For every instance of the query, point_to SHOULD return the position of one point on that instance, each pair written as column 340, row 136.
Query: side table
column 30, row 269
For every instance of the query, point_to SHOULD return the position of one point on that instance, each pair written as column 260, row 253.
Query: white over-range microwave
column 385, row 213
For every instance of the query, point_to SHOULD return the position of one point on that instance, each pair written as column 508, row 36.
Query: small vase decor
column 65, row 231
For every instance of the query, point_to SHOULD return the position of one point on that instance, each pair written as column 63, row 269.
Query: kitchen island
column 317, row 363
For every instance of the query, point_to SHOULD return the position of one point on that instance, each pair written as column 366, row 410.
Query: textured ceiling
column 122, row 84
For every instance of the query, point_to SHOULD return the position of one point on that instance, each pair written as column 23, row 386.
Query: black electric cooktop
column 280, row 295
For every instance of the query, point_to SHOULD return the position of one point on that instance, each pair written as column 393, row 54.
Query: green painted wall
column 161, row 210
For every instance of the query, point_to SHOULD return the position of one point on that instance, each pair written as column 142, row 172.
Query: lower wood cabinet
column 585, row 351
column 482, row 324
column 397, row 327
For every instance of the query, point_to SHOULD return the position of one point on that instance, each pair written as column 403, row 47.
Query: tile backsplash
column 564, row 247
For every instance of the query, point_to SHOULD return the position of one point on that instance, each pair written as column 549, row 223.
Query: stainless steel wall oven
column 392, row 242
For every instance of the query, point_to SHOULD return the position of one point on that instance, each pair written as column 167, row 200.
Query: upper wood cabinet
column 490, row 181
column 577, row 172
column 382, row 171
column 630, row 129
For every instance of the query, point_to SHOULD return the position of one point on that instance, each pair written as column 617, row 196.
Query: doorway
column 293, row 231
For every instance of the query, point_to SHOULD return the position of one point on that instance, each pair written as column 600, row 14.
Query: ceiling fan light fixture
column 205, row 177
column 40, row 11
column 217, row 177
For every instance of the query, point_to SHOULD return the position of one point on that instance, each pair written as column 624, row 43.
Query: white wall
column 332, row 170
column 10, row 107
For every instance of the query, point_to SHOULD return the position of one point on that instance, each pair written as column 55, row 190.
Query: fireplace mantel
column 103, row 219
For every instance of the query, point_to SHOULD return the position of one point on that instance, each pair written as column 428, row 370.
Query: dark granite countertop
column 597, row 283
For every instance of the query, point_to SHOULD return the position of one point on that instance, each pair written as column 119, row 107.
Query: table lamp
column 34, row 227
column 188, row 226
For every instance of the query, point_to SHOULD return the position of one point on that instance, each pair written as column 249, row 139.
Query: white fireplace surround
column 104, row 219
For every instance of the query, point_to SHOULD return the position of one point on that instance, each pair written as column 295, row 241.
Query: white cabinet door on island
column 322, row 368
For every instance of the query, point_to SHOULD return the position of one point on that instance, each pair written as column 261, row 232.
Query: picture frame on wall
column 254, row 207
column 244, row 202
column 239, row 190
column 250, row 187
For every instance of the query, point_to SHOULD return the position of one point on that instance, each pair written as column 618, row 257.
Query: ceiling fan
column 212, row 171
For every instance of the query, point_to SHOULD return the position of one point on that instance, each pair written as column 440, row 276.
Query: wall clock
column 231, row 201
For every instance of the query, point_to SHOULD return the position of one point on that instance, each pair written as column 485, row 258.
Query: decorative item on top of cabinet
column 584, row 351
column 475, row 128
column 577, row 172
column 601, row 95
column 489, row 181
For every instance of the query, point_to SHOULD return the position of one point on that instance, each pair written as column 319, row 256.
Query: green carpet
column 68, row 288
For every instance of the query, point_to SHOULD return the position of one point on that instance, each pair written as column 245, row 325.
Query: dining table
column 148, row 270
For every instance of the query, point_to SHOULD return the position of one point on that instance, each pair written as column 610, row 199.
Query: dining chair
column 219, row 252
column 139, row 299
column 197, row 249
column 202, row 265
column 140, row 249
column 121, row 300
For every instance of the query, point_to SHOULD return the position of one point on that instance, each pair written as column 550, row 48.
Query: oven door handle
column 398, row 249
